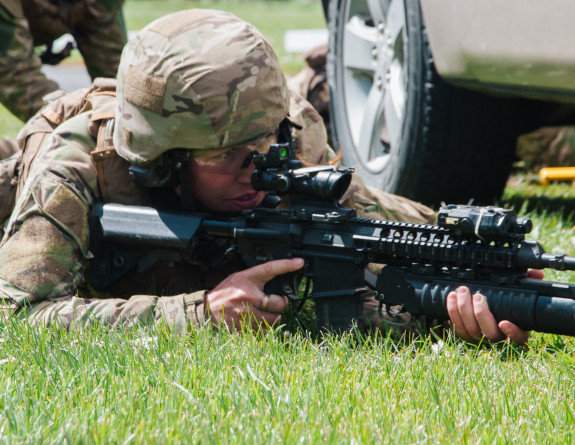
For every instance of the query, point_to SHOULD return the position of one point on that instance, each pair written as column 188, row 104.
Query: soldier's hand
column 471, row 318
column 240, row 300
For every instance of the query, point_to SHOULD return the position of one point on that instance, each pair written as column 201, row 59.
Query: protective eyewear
column 231, row 160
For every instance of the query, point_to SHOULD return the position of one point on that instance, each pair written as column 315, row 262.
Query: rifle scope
column 276, row 173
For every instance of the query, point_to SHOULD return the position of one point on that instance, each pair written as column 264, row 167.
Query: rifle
column 483, row 248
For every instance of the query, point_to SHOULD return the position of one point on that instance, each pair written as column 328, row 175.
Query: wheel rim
column 372, row 78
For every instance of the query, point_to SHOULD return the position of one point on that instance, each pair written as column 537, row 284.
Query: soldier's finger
column 514, row 332
column 273, row 303
column 270, row 318
column 465, row 306
column 455, row 317
column 535, row 273
column 487, row 323
column 262, row 273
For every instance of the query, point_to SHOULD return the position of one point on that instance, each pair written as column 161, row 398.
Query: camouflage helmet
column 196, row 79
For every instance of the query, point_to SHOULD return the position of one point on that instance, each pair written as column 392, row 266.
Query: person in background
column 98, row 29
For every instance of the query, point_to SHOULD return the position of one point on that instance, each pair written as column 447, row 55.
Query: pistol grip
column 286, row 284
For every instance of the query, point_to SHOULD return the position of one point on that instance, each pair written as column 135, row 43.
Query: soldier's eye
column 226, row 154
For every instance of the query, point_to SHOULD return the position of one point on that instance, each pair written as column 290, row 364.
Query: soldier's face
column 221, row 179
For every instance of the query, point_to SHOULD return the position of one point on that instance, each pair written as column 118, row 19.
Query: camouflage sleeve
column 179, row 312
column 23, row 83
column 45, row 248
column 101, row 37
column 8, row 147
column 377, row 204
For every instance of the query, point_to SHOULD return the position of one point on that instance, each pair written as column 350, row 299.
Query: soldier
column 97, row 26
column 311, row 83
column 197, row 92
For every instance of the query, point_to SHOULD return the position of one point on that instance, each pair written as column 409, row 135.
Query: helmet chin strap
column 186, row 192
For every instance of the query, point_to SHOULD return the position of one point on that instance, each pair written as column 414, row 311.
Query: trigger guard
column 282, row 285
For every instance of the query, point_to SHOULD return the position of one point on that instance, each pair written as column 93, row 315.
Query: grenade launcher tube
column 542, row 306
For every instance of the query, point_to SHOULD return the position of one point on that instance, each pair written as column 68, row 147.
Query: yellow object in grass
column 549, row 174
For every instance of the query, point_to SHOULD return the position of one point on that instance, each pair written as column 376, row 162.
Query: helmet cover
column 196, row 79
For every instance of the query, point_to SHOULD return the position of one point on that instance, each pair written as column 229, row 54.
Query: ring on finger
column 265, row 302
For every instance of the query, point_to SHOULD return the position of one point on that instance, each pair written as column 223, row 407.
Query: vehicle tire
column 398, row 123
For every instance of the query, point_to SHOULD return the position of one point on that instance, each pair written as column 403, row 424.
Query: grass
column 147, row 385
column 9, row 124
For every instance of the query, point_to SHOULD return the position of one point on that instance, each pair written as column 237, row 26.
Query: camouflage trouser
column 23, row 84
column 9, row 168
column 548, row 147
column 97, row 26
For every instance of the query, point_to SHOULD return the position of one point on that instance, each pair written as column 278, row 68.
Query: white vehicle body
column 428, row 97
column 522, row 47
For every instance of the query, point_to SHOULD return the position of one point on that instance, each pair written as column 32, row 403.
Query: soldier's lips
column 248, row 200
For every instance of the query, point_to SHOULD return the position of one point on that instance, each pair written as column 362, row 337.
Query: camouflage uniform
column 311, row 83
column 547, row 147
column 44, row 255
column 97, row 26
column 8, row 147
